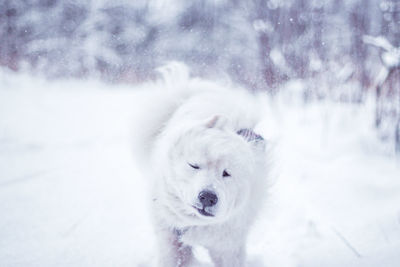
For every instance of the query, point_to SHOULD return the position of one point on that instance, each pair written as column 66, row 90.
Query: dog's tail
column 157, row 104
column 174, row 74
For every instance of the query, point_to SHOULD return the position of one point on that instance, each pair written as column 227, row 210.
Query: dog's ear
column 217, row 121
column 252, row 137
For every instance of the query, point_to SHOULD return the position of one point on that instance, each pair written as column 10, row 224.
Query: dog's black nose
column 208, row 198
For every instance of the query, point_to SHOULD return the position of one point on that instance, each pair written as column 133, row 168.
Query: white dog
column 207, row 166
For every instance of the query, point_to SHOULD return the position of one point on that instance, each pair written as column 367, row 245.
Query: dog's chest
column 195, row 236
column 206, row 236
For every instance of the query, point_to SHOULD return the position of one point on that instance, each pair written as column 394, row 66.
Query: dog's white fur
column 194, row 123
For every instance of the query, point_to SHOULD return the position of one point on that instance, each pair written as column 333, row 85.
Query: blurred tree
column 260, row 43
column 11, row 35
column 359, row 22
column 267, row 19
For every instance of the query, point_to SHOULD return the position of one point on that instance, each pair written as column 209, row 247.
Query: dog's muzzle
column 207, row 199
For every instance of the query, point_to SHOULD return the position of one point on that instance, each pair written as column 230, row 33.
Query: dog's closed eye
column 194, row 166
column 226, row 174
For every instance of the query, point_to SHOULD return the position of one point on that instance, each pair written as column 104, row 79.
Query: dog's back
column 179, row 93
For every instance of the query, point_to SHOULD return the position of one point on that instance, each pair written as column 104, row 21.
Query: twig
column 346, row 242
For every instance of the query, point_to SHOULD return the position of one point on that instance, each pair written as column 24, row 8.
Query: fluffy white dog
column 207, row 164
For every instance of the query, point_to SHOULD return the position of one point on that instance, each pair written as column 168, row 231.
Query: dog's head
column 211, row 171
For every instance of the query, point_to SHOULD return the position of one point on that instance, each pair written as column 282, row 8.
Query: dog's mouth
column 204, row 212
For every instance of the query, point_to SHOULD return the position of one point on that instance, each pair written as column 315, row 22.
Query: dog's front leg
column 228, row 257
column 172, row 252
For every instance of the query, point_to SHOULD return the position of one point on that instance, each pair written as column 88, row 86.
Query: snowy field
column 70, row 194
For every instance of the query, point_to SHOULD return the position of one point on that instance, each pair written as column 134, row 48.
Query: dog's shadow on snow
column 202, row 259
column 253, row 262
column 250, row 263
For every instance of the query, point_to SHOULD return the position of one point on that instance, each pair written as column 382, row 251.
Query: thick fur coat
column 206, row 164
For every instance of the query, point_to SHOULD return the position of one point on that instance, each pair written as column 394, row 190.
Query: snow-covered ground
column 70, row 194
